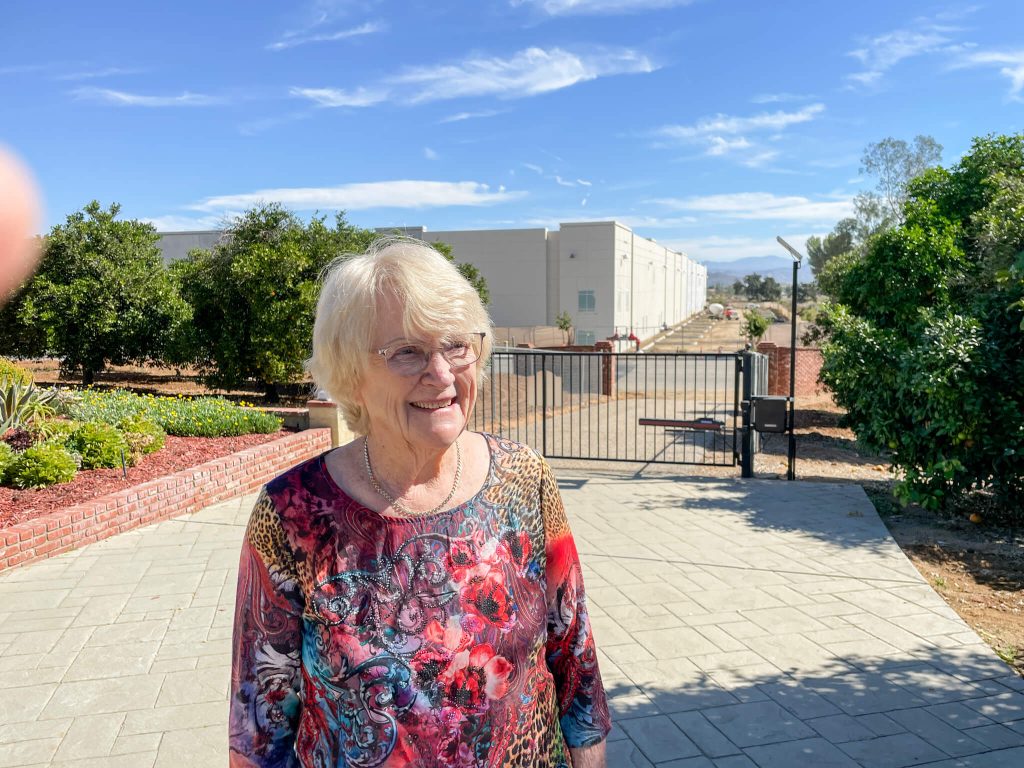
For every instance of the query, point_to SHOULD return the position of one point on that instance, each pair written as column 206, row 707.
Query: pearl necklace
column 404, row 510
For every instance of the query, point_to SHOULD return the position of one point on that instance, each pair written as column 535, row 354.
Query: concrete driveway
column 741, row 623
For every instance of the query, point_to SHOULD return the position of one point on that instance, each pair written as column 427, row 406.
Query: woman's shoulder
column 306, row 476
column 504, row 447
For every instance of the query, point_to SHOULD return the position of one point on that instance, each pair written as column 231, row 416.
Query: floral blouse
column 457, row 639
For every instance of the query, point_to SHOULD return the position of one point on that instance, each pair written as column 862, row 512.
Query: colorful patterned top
column 458, row 639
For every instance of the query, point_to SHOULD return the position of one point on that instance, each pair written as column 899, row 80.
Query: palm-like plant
column 21, row 404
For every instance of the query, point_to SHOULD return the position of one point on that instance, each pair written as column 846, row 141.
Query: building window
column 585, row 338
column 586, row 301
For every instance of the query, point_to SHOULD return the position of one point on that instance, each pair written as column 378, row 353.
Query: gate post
column 746, row 430
column 607, row 368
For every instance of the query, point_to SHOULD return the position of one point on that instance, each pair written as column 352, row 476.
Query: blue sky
column 710, row 125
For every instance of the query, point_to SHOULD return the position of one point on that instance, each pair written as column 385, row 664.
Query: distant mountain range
column 781, row 268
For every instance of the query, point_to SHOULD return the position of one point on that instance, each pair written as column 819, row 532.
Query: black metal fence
column 654, row 408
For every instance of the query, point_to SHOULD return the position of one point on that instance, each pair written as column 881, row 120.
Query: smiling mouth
column 433, row 406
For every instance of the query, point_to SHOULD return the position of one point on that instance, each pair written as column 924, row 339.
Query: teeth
column 433, row 406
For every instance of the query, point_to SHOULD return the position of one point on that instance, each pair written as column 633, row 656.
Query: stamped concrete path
column 741, row 623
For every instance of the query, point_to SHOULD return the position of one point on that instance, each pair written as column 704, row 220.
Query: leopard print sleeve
column 570, row 651
column 265, row 703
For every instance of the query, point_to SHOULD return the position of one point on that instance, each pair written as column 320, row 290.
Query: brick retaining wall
column 178, row 494
column 808, row 365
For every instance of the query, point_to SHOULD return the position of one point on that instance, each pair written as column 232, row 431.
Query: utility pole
column 791, row 454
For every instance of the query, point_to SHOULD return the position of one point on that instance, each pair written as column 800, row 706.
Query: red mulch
column 177, row 454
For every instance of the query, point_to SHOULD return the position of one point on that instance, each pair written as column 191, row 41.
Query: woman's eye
column 406, row 352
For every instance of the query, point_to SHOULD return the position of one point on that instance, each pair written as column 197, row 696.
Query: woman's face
column 424, row 411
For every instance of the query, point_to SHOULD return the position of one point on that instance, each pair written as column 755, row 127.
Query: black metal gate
column 652, row 408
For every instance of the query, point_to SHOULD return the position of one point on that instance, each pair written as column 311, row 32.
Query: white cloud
column 429, row 153
column 460, row 116
column 175, row 223
column 293, row 39
column 338, row 97
column 775, row 98
column 93, row 74
column 881, row 53
column 728, row 124
column 528, row 72
column 725, row 249
column 562, row 182
column 722, row 135
column 581, row 7
column 1010, row 63
column 122, row 98
column 378, row 194
column 721, row 146
column 534, row 168
column 584, row 183
column 762, row 206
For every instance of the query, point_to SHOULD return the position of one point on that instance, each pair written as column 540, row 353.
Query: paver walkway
column 753, row 623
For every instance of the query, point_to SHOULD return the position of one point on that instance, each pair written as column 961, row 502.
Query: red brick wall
column 181, row 493
column 808, row 364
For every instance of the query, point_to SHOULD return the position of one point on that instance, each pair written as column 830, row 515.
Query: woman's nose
column 439, row 368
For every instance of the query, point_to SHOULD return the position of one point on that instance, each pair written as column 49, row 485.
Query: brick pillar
column 608, row 365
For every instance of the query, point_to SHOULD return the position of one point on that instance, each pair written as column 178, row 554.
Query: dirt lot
column 977, row 568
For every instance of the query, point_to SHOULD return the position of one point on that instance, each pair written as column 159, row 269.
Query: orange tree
column 924, row 337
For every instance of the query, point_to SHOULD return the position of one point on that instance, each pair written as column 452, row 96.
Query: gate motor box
column 769, row 414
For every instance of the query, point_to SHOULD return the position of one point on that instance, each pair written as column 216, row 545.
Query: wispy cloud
column 710, row 127
column 125, row 99
column 725, row 249
column 583, row 7
column 177, row 223
column 92, row 74
column 429, row 153
column 584, row 183
column 881, row 53
column 293, row 39
column 528, row 72
column 378, row 194
column 460, row 116
column 1010, row 64
column 722, row 135
column 778, row 98
column 339, row 97
column 762, row 206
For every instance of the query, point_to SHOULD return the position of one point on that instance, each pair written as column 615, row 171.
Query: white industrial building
column 609, row 279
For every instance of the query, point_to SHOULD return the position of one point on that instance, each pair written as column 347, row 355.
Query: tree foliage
column 923, row 339
column 895, row 164
column 755, row 325
column 757, row 288
column 101, row 296
column 253, row 295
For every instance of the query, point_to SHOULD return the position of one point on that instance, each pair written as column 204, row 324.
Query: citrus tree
column 924, row 336
column 101, row 296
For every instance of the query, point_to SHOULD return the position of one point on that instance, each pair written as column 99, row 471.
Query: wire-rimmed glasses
column 409, row 357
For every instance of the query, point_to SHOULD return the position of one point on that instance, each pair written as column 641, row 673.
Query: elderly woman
column 413, row 598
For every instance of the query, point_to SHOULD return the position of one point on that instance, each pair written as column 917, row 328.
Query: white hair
column 436, row 300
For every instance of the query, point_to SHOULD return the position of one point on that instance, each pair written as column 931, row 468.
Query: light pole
column 791, row 456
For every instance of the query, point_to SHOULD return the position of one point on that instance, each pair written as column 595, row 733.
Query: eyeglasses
column 408, row 358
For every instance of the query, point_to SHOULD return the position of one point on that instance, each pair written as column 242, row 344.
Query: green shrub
column 182, row 416
column 101, row 445
column 53, row 430
column 13, row 372
column 40, row 466
column 143, row 436
column 7, row 457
